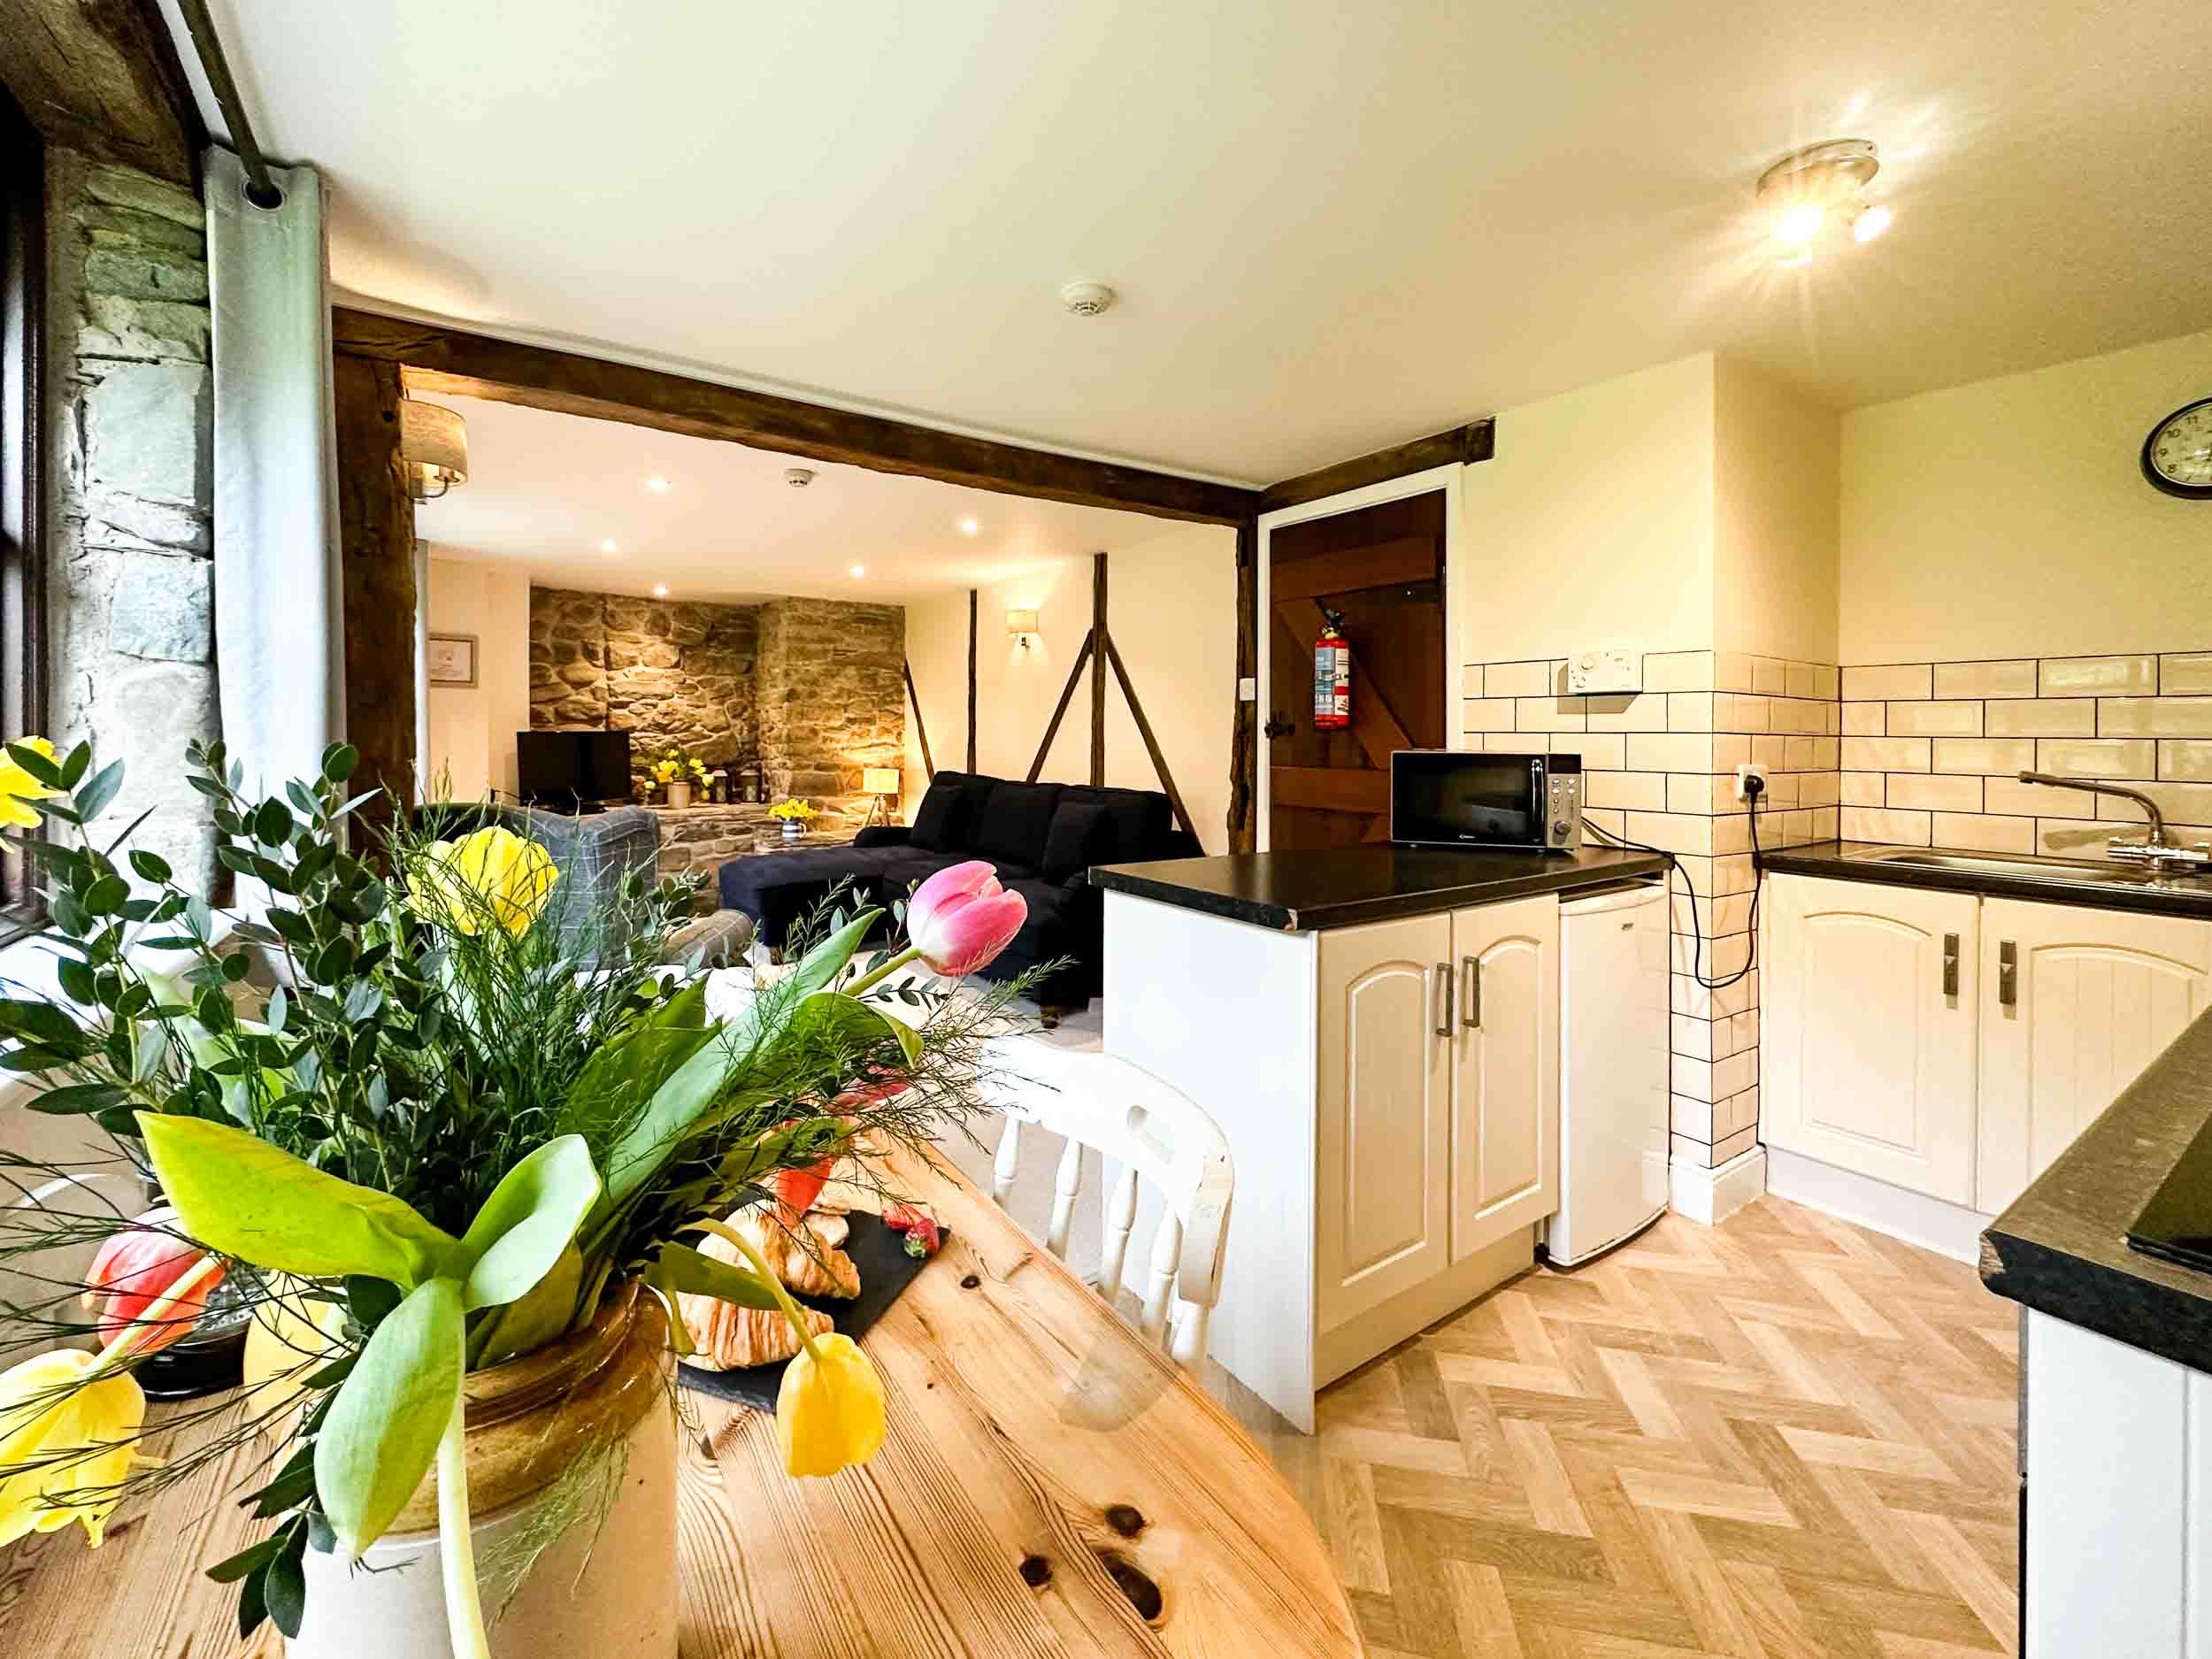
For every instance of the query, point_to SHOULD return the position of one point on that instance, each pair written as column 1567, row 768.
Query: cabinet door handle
column 1470, row 992
column 2007, row 973
column 1443, row 999
column 1950, row 964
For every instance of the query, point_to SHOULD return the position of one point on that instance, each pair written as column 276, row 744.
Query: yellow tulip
column 18, row 785
column 829, row 1412
column 492, row 872
column 288, row 1334
column 79, row 1439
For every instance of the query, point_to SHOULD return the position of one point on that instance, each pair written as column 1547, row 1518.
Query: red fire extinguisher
column 1332, row 675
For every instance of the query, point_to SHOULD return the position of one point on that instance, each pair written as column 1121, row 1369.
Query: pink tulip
column 134, row 1268
column 961, row 918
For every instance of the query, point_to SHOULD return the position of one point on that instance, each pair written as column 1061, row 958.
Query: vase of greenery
column 457, row 1172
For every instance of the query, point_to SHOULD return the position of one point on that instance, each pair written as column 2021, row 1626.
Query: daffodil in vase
column 456, row 1177
column 679, row 772
column 794, row 815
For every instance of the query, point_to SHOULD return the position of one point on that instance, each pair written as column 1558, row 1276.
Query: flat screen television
column 571, row 771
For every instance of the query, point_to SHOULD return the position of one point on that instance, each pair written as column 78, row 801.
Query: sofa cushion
column 1015, row 819
column 1082, row 834
column 1140, row 818
column 946, row 815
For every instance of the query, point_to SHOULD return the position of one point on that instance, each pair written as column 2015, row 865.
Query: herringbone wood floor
column 1781, row 1438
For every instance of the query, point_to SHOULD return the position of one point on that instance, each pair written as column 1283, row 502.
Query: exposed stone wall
column 130, row 419
column 813, row 685
column 833, row 698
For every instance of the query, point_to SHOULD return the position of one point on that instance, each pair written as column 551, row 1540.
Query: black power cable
column 1753, row 787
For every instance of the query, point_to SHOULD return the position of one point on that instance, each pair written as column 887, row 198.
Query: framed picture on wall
column 452, row 659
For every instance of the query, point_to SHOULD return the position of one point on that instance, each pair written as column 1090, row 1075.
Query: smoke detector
column 1086, row 299
column 798, row 477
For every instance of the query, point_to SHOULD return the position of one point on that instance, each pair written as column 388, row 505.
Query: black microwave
column 1447, row 797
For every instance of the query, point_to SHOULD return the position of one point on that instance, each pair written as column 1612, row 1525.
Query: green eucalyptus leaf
column 74, row 763
column 237, row 1194
column 385, row 1424
column 152, row 866
column 41, row 769
column 284, row 1582
column 93, row 799
column 76, row 1097
column 529, row 1219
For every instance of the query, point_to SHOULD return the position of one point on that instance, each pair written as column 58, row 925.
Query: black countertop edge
column 2061, row 1248
column 1852, row 861
column 1303, row 892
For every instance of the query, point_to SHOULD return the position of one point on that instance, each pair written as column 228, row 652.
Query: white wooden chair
column 1151, row 1131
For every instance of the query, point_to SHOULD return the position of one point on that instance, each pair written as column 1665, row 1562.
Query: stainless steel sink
column 2094, row 873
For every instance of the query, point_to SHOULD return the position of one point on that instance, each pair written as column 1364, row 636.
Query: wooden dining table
column 1051, row 1484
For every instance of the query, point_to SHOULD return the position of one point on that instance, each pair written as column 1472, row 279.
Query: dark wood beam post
column 1059, row 709
column 971, row 681
column 104, row 77
column 1101, row 643
column 1244, row 728
column 921, row 730
column 1151, row 743
column 376, row 533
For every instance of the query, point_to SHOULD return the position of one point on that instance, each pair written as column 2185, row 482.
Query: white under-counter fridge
column 1613, row 1072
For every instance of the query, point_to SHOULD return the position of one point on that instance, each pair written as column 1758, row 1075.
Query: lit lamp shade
column 434, row 441
column 880, row 780
column 1021, row 622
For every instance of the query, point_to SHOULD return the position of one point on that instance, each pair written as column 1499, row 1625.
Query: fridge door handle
column 1470, row 993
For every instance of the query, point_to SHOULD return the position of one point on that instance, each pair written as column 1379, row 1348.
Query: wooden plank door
column 2091, row 998
column 1867, row 1054
column 1505, row 1069
column 1382, row 567
column 1382, row 1105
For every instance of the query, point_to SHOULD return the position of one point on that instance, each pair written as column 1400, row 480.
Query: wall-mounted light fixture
column 434, row 444
column 1021, row 625
column 883, row 783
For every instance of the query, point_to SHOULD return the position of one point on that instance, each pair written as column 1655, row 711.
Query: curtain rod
column 261, row 185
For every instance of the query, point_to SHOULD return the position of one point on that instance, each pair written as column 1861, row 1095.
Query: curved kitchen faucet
column 2154, row 849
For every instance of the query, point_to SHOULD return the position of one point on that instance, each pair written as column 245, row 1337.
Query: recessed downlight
column 969, row 526
column 611, row 546
column 860, row 570
column 657, row 485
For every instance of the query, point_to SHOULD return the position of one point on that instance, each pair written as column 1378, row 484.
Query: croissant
column 727, row 1337
column 813, row 1265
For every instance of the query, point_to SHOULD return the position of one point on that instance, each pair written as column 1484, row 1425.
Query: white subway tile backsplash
column 1471, row 680
column 2186, row 759
column 1487, row 714
column 2098, row 676
column 2183, row 673
column 1770, row 676
column 1935, row 720
column 2181, row 803
column 1690, row 712
column 1875, row 824
column 1886, row 754
column 2105, row 757
column 1602, row 751
column 2050, row 718
column 2013, row 678
column 1673, row 832
column 1865, row 719
column 1516, row 679
column 1634, row 711
column 2035, row 800
column 1983, row 832
column 1732, row 671
column 1631, row 791
column 1798, row 680
column 1997, row 755
column 2154, row 716
column 2072, row 838
column 1678, row 671
column 1670, row 751
column 1864, row 788
column 1550, row 714
column 1889, row 682
column 1935, row 792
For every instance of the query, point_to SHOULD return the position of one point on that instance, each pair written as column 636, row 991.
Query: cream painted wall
column 472, row 729
column 2010, row 517
column 1775, row 466
column 1593, row 522
column 1172, row 605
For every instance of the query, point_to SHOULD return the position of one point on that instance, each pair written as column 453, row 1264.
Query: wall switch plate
column 1249, row 689
column 1752, row 770
column 1606, row 671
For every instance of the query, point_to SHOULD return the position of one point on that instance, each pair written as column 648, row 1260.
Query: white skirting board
column 1711, row 1195
column 1947, row 1229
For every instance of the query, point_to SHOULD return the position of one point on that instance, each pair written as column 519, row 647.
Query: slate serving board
column 886, row 1271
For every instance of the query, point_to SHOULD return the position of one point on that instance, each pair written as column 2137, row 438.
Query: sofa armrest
column 883, row 835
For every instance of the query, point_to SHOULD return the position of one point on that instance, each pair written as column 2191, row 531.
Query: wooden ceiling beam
column 104, row 77
column 439, row 359
column 1475, row 441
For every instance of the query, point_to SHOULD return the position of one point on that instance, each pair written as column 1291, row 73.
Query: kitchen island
column 1376, row 1030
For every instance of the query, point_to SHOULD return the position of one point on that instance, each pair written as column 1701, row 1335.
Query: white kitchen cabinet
column 2076, row 1002
column 1382, row 1112
column 1504, row 1057
column 1867, row 1031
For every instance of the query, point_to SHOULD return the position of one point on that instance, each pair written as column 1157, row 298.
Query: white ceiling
column 1335, row 227
column 545, row 490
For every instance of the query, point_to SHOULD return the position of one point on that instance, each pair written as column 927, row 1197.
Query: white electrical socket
column 1751, row 771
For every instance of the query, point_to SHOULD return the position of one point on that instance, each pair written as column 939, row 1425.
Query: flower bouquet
column 679, row 772
column 420, row 1144
column 794, row 815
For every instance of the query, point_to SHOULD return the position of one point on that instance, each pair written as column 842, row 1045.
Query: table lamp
column 883, row 783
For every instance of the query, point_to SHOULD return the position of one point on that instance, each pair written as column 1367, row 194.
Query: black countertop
column 1298, row 892
column 2061, row 1248
column 1866, row 861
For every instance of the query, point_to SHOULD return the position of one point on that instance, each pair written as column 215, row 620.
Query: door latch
column 1950, row 964
column 1278, row 727
column 2007, row 973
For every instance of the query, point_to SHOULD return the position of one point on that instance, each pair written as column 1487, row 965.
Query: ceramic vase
column 679, row 792
column 793, row 829
column 606, row 1583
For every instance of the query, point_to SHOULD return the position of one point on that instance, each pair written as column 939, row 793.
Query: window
column 22, row 569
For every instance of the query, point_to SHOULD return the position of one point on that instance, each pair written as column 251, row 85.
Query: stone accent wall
column 813, row 685
column 130, row 418
column 833, row 697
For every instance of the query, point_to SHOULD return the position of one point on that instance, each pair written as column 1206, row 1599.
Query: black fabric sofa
column 1042, row 837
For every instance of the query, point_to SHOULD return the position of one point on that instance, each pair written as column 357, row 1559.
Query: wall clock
column 2178, row 455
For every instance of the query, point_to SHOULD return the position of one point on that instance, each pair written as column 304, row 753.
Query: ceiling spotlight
column 860, row 570
column 610, row 546
column 660, row 590
column 798, row 477
column 1086, row 299
column 969, row 526
column 658, row 486
column 1810, row 189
